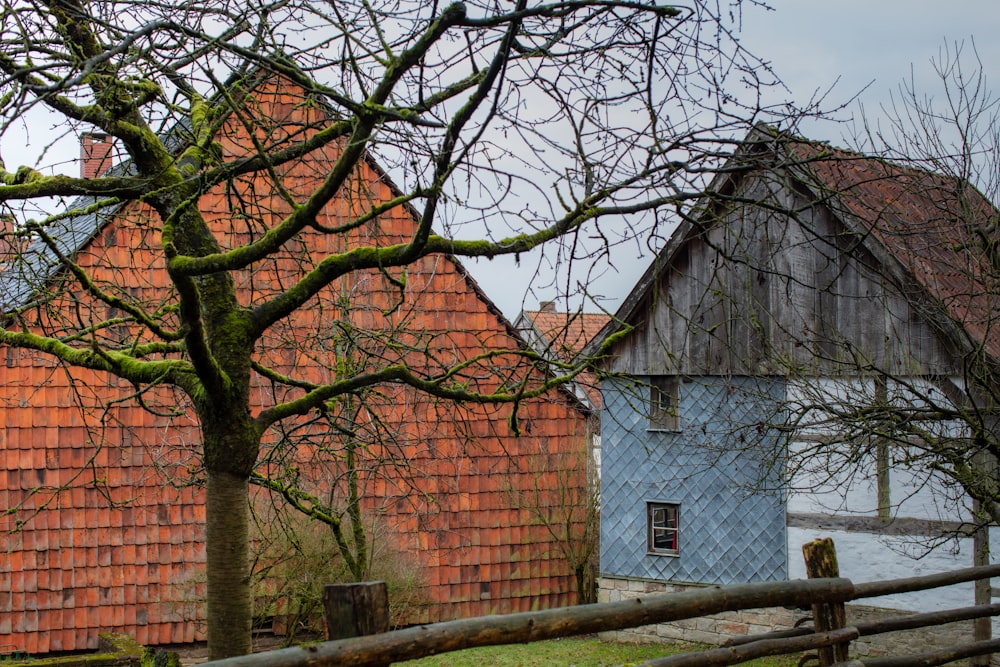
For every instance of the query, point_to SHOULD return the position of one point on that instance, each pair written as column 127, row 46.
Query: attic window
column 664, row 403
column 662, row 529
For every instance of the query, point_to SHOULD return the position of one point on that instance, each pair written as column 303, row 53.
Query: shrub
column 294, row 557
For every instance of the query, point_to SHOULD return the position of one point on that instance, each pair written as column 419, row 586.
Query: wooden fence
column 425, row 640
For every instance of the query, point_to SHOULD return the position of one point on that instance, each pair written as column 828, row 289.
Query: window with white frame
column 664, row 403
column 662, row 528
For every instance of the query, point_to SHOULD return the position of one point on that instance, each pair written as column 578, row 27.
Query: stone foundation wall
column 717, row 628
column 713, row 629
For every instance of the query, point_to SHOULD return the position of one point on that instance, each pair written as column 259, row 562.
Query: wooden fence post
column 821, row 563
column 356, row 610
column 982, row 628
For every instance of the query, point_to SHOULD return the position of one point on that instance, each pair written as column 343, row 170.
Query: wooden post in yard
column 821, row 563
column 356, row 610
column 982, row 628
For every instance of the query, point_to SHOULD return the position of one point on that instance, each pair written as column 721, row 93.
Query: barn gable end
column 108, row 532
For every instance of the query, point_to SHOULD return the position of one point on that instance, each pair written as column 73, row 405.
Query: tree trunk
column 230, row 610
column 882, row 481
column 586, row 590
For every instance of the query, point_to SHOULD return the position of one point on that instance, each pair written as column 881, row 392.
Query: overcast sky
column 858, row 45
column 863, row 48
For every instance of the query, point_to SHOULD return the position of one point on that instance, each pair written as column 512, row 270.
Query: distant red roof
column 565, row 335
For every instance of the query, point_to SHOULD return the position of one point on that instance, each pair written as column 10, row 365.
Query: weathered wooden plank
column 717, row 352
column 764, row 289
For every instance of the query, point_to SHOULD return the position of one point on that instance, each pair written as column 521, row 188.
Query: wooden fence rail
column 758, row 649
column 931, row 658
column 777, row 643
column 870, row 589
column 788, row 641
column 425, row 640
column 897, row 624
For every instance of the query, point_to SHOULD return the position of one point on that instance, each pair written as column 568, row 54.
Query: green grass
column 575, row 652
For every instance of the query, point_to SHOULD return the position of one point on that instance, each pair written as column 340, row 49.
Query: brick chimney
column 547, row 306
column 10, row 243
column 95, row 154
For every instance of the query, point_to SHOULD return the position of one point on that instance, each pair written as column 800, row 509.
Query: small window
column 663, row 403
column 662, row 528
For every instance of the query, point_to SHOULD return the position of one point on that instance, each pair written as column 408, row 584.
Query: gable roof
column 563, row 336
column 936, row 236
column 939, row 230
column 26, row 272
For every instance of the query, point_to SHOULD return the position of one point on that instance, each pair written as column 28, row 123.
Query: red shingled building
column 106, row 528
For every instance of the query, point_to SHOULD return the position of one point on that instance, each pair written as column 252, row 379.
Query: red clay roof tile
column 941, row 229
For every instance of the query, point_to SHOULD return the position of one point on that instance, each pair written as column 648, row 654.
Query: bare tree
column 322, row 465
column 241, row 203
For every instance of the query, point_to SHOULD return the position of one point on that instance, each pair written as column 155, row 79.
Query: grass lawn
column 578, row 652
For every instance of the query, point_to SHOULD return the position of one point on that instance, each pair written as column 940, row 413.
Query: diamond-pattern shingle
column 729, row 531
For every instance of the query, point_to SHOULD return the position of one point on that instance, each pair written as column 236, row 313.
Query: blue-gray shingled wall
column 730, row 530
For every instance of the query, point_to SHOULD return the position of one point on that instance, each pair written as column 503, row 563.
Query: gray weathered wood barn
column 813, row 299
